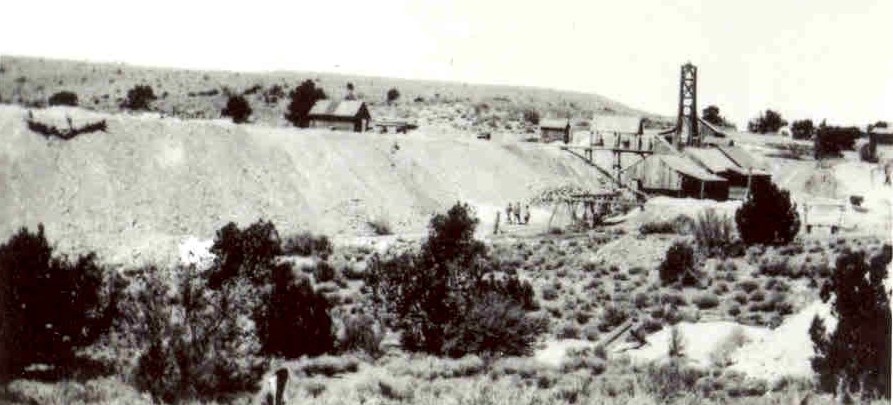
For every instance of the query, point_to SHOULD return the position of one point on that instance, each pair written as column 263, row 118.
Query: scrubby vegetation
column 679, row 265
column 768, row 122
column 301, row 101
column 681, row 224
column 855, row 357
column 139, row 98
column 832, row 140
column 769, row 216
column 440, row 300
column 308, row 244
column 237, row 108
column 52, row 306
column 63, row 98
column 714, row 234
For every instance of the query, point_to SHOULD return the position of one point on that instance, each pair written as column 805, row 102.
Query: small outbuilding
column 555, row 130
column 618, row 132
column 679, row 176
column 341, row 115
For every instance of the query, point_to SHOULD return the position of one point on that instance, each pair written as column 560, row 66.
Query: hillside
column 202, row 94
column 136, row 191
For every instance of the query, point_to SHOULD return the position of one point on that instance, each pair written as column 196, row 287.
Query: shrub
column 678, row 265
column 248, row 253
column 63, row 98
column 781, row 267
column 307, row 244
column 669, row 380
column 857, row 352
column 612, row 317
column 713, row 233
column 769, row 216
column 442, row 302
column 681, row 224
column 494, row 325
column 550, row 293
column 531, row 116
column 199, row 343
column 802, row 129
column 296, row 321
column 392, row 95
column 569, row 330
column 302, row 99
column 237, row 108
column 512, row 287
column 673, row 298
column 329, row 365
column 748, row 285
column 324, row 272
column 721, row 356
column 706, row 301
column 770, row 121
column 362, row 333
column 830, row 140
column 140, row 97
column 50, row 306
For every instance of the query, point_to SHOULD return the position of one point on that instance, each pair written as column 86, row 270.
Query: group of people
column 514, row 215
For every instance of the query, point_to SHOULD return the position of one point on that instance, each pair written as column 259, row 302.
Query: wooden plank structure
column 834, row 225
column 593, row 206
column 342, row 115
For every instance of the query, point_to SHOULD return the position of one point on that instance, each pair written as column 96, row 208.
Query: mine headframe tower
column 687, row 128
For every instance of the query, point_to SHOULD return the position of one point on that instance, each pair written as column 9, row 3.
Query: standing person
column 496, row 224
column 518, row 213
column 508, row 214
column 526, row 214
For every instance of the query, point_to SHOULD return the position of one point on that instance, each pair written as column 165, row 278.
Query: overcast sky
column 812, row 58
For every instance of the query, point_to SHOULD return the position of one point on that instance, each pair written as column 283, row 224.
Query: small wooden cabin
column 341, row 115
column 555, row 130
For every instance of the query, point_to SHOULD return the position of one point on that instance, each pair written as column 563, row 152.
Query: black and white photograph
column 450, row 202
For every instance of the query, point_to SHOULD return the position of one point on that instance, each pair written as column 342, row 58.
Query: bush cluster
column 769, row 216
column 237, row 108
column 139, row 98
column 678, row 265
column 714, row 234
column 856, row 354
column 64, row 98
column 208, row 331
column 443, row 301
column 681, row 224
column 307, row 244
column 302, row 99
column 831, row 140
column 51, row 306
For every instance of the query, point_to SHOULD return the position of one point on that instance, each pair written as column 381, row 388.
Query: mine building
column 340, row 115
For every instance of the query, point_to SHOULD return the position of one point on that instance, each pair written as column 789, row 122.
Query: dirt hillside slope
column 134, row 192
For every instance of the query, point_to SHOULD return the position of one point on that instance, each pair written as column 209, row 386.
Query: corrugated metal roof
column 685, row 166
column 337, row 108
column 713, row 159
column 617, row 123
column 553, row 123
column 741, row 157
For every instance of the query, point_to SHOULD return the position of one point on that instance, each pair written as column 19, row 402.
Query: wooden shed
column 555, row 130
column 720, row 164
column 618, row 131
column 342, row 115
column 679, row 176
